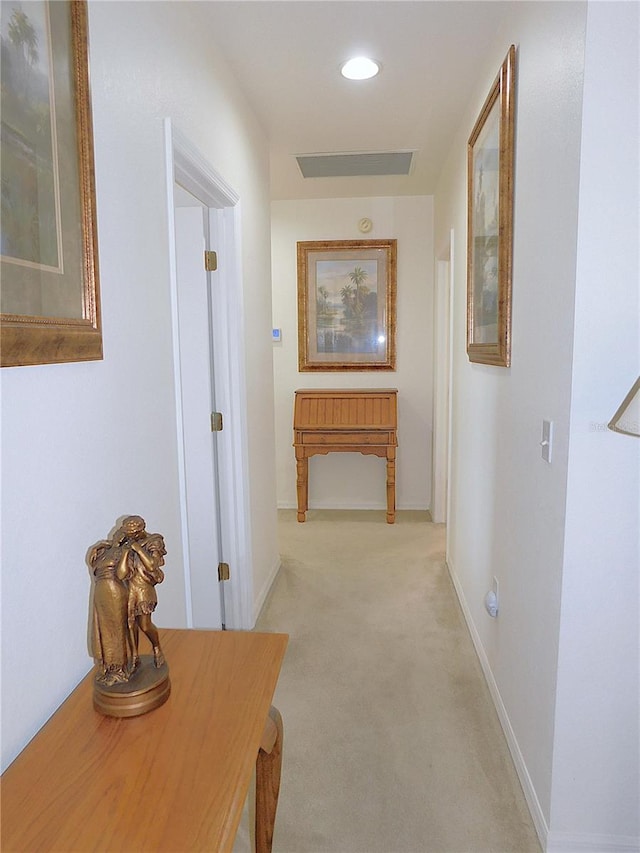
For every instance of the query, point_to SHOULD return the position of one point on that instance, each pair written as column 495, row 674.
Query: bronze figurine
column 127, row 569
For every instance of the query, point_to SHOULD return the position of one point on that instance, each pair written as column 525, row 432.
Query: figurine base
column 148, row 688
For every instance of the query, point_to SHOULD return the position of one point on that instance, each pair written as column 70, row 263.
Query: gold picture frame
column 50, row 302
column 490, row 166
column 347, row 305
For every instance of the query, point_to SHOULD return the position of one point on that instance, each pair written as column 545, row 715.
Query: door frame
column 197, row 396
column 442, row 380
column 186, row 166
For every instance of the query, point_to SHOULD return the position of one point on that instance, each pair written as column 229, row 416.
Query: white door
column 201, row 515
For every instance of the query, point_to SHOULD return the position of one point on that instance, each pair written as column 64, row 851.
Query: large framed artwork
column 49, row 301
column 347, row 305
column 490, row 166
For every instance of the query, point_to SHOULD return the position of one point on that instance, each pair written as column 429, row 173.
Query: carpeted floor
column 391, row 741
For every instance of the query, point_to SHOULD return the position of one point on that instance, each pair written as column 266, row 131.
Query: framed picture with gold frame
column 347, row 305
column 50, row 303
column 490, row 165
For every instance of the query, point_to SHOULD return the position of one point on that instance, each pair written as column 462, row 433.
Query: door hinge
column 216, row 421
column 210, row 261
column 223, row 571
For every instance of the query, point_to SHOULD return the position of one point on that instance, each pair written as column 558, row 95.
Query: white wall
column 562, row 657
column 351, row 480
column 596, row 768
column 83, row 444
column 507, row 505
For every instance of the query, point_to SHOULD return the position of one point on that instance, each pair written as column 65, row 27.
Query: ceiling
column 286, row 55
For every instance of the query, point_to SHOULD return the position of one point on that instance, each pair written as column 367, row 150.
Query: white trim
column 450, row 381
column 196, row 175
column 566, row 842
column 177, row 371
column 531, row 797
column 233, row 442
column 187, row 167
column 441, row 389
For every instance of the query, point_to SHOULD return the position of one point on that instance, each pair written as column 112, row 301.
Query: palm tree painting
column 30, row 228
column 347, row 306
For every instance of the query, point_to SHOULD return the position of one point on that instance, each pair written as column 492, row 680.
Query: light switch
column 547, row 438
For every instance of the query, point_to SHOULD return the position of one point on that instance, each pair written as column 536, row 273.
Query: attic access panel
column 355, row 165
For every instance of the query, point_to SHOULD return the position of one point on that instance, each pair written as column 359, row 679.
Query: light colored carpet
column 391, row 743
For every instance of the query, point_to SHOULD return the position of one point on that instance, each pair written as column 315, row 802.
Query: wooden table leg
column 268, row 770
column 391, row 485
column 302, row 484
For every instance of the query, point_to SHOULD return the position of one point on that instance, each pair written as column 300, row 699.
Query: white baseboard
column 531, row 797
column 363, row 506
column 565, row 842
column 266, row 589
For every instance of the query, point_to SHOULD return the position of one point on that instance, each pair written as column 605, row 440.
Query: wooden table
column 174, row 779
column 330, row 420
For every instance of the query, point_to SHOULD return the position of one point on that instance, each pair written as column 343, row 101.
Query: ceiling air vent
column 355, row 165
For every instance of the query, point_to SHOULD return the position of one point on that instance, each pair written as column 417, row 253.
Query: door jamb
column 187, row 166
column 442, row 384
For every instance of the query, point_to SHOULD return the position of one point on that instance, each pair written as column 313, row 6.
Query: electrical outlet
column 491, row 599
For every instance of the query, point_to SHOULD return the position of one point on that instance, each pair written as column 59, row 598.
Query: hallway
column 391, row 743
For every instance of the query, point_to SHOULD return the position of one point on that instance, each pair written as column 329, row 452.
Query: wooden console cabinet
column 174, row 779
column 329, row 420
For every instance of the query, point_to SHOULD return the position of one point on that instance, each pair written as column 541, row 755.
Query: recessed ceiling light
column 360, row 68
